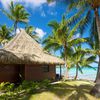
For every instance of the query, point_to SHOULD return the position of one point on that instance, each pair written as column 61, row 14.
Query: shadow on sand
column 65, row 91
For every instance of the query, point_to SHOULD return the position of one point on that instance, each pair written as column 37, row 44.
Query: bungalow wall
column 9, row 73
column 12, row 72
column 39, row 72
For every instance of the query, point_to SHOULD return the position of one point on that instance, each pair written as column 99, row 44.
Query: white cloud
column 35, row 2
column 18, row 30
column 53, row 13
column 43, row 14
column 40, row 32
column 52, row 4
column 76, row 36
column 31, row 3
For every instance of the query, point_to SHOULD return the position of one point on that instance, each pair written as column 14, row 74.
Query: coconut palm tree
column 51, row 45
column 62, row 37
column 90, row 9
column 31, row 31
column 5, row 34
column 81, row 60
column 17, row 13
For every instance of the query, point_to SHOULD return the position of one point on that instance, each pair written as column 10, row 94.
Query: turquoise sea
column 88, row 74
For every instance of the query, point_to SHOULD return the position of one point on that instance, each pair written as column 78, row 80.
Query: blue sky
column 40, row 14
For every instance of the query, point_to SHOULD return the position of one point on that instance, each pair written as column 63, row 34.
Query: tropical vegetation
column 17, row 14
column 11, row 91
column 28, row 90
column 62, row 38
column 5, row 34
column 31, row 31
column 82, row 59
column 89, row 9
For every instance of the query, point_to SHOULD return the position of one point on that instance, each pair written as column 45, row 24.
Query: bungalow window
column 45, row 68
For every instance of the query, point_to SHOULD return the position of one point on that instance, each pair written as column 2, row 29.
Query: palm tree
column 93, row 41
column 17, row 13
column 31, row 31
column 81, row 60
column 90, row 9
column 62, row 37
column 51, row 45
column 5, row 34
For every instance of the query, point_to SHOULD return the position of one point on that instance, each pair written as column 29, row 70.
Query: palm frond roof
column 23, row 49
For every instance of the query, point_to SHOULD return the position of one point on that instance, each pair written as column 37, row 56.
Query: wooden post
column 60, row 72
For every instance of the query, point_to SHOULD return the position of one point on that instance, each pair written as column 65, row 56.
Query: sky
column 41, row 13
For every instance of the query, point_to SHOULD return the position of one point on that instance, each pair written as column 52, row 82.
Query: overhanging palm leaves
column 88, row 9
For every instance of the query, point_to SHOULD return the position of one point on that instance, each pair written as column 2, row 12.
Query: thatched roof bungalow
column 24, row 58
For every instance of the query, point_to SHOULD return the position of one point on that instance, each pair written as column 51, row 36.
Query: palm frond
column 76, row 41
column 80, row 69
column 90, row 67
column 53, row 24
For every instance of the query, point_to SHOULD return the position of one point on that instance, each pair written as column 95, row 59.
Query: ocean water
column 88, row 74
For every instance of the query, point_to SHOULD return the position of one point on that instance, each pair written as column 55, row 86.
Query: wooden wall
column 9, row 73
column 35, row 72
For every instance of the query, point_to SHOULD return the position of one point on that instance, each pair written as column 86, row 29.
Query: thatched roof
column 22, row 49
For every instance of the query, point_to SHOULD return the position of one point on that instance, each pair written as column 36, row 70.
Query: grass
column 62, row 90
column 69, row 90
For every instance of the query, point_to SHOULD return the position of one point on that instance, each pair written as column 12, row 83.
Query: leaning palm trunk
column 98, row 31
column 98, row 73
column 96, row 89
column 76, row 72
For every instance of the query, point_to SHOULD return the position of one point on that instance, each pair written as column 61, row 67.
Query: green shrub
column 45, row 83
column 7, row 86
column 27, row 87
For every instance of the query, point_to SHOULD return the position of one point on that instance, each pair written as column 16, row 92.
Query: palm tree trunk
column 96, row 89
column 98, row 30
column 76, row 72
column 65, row 49
column 15, row 26
column 98, row 72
